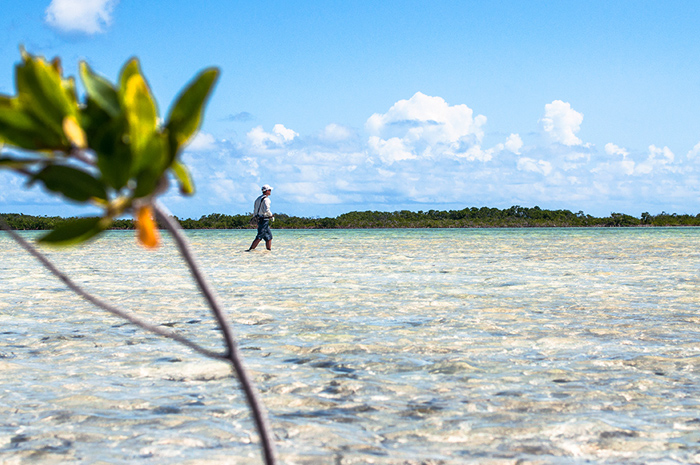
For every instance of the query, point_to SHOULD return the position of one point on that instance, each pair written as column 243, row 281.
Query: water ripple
column 559, row 346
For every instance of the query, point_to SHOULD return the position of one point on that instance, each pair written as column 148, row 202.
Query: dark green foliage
column 217, row 221
column 19, row 221
column 620, row 219
column 484, row 217
column 513, row 217
column 672, row 219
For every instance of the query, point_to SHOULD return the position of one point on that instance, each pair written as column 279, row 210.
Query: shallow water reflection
column 561, row 346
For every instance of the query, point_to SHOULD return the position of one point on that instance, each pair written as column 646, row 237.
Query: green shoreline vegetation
column 513, row 217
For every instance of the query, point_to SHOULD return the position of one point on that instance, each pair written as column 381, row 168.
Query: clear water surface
column 494, row 346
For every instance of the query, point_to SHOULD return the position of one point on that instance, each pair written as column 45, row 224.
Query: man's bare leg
column 254, row 245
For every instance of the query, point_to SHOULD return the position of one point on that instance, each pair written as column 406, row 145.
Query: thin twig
column 233, row 354
column 104, row 305
column 80, row 154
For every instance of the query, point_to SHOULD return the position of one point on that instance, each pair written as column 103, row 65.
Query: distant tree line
column 484, row 217
column 20, row 221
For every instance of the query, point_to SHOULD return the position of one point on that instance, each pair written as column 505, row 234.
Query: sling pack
column 255, row 219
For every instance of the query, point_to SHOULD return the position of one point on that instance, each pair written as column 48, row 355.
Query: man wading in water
column 262, row 211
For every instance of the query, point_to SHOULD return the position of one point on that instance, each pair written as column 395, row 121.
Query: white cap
column 266, row 188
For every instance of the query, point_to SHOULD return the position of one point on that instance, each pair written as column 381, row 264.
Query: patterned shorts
column 264, row 232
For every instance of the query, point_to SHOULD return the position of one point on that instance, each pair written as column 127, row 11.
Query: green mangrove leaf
column 41, row 90
column 100, row 90
column 19, row 127
column 71, row 92
column 73, row 183
column 142, row 118
column 93, row 119
column 114, row 157
column 153, row 163
column 186, row 114
column 184, row 178
column 129, row 69
column 76, row 231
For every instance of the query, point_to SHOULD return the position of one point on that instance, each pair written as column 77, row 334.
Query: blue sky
column 341, row 106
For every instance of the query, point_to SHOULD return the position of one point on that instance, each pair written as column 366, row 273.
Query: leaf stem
column 233, row 354
column 79, row 154
column 104, row 305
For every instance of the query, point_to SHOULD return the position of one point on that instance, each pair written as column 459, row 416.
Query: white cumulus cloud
column 612, row 149
column 659, row 159
column 80, row 16
column 225, row 189
column 202, row 142
column 662, row 155
column 514, row 143
column 625, row 166
column 426, row 126
column 561, row 122
column 309, row 192
column 422, row 153
column 534, row 166
column 280, row 136
column 476, row 153
column 335, row 133
column 694, row 152
column 390, row 151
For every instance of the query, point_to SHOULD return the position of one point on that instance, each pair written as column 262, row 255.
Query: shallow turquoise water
column 497, row 346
